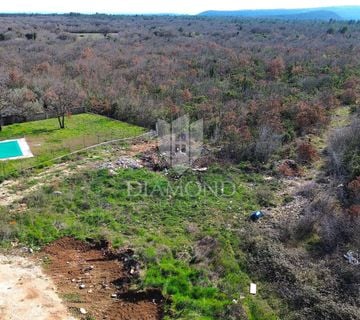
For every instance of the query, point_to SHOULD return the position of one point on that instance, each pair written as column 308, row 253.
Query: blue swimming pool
column 10, row 149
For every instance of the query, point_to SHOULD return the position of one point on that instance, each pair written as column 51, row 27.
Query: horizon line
column 167, row 13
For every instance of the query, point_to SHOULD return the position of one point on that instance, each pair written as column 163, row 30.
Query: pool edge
column 24, row 147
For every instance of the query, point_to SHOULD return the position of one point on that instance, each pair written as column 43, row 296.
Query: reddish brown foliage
column 276, row 67
column 329, row 100
column 354, row 188
column 310, row 116
column 99, row 105
column 306, row 152
column 241, row 134
column 147, row 68
column 289, row 168
column 354, row 210
column 16, row 79
column 297, row 70
column 186, row 94
column 87, row 53
column 349, row 97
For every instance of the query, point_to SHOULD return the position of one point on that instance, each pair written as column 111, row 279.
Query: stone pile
column 122, row 162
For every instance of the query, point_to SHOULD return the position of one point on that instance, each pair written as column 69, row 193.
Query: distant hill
column 347, row 13
column 336, row 13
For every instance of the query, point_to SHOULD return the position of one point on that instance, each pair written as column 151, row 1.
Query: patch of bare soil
column 27, row 293
column 97, row 279
column 142, row 147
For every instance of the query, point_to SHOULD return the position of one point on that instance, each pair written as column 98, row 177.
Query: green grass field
column 162, row 218
column 163, row 225
column 47, row 141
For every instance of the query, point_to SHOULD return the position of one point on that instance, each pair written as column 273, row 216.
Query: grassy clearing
column 340, row 117
column 164, row 225
column 47, row 141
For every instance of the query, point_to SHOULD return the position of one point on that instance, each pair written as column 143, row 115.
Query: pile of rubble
column 122, row 162
column 154, row 160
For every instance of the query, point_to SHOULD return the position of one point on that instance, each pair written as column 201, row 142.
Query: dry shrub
column 305, row 226
column 289, row 168
column 325, row 204
column 267, row 143
column 308, row 190
column 306, row 153
column 264, row 196
column 354, row 190
column 354, row 186
column 7, row 232
column 343, row 151
column 354, row 210
column 349, row 97
column 276, row 67
column 323, row 217
column 309, row 117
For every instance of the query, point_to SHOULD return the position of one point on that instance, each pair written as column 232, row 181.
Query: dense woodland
column 259, row 85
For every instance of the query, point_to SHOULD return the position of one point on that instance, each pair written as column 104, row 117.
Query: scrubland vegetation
column 257, row 84
column 267, row 91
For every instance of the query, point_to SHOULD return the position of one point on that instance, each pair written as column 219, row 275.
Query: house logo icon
column 180, row 142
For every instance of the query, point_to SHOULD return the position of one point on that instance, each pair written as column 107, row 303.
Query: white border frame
column 24, row 147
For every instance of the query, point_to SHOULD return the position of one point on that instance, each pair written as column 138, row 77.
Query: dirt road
column 26, row 293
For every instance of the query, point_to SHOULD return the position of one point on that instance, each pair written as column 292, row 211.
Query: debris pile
column 122, row 162
column 130, row 264
column 154, row 160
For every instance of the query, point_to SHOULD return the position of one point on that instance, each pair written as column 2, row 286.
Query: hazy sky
column 158, row 6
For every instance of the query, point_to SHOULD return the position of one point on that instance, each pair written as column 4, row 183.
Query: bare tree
column 266, row 144
column 3, row 105
column 63, row 98
column 16, row 102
